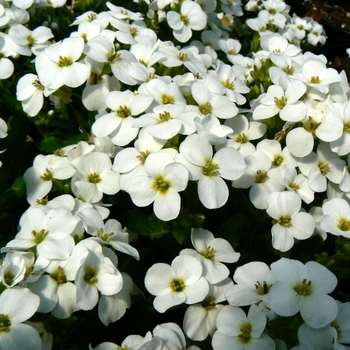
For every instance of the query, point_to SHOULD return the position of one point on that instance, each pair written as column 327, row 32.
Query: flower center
column 335, row 325
column 209, row 303
column 210, row 169
column 245, row 337
column 344, row 224
column 90, row 275
column 104, row 236
column 161, row 185
column 133, row 31
column 346, row 127
column 123, row 112
column 315, row 79
column 310, row 125
column 59, row 275
column 280, row 102
column 294, row 186
column 285, row 221
column 30, row 40
column 277, row 161
column 177, row 285
column 242, row 138
column 47, row 176
column 164, row 117
column 166, row 99
column 205, row 108
column 304, row 288
column 65, row 61
column 36, row 83
column 262, row 289
column 143, row 156
column 182, row 56
column 185, row 20
column 208, row 253
column 39, row 236
column 228, row 84
column 261, row 177
column 8, row 278
column 288, row 70
column 5, row 323
column 94, row 178
column 324, row 168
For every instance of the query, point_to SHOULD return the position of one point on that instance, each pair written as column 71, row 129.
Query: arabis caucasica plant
column 174, row 175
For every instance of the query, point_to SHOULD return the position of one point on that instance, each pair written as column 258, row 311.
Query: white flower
column 168, row 120
column 163, row 180
column 236, row 330
column 200, row 319
column 56, row 289
column 336, row 218
column 314, row 338
column 211, row 252
column 210, row 170
column 50, row 233
column 191, row 17
column 320, row 166
column 290, row 223
column 182, row 282
column 96, row 273
column 109, row 233
column 16, row 306
column 261, row 177
column 57, row 65
column 286, row 103
column 119, row 122
column 303, row 288
column 95, row 176
column 39, row 177
column 253, row 283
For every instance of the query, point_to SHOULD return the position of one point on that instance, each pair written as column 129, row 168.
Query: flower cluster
column 156, row 126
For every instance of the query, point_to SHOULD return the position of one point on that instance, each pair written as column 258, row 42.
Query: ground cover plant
column 174, row 175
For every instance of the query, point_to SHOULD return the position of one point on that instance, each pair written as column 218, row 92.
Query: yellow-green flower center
column 123, row 112
column 228, row 84
column 185, row 20
column 208, row 253
column 177, row 285
column 59, row 275
column 294, row 186
column 39, row 236
column 242, row 138
column 315, row 80
column 343, row 224
column 164, row 117
column 285, row 221
column 280, row 102
column 161, row 185
column 166, row 99
column 5, row 323
column 262, row 289
column 90, row 275
column 104, row 236
column 261, row 177
column 94, row 178
column 324, row 168
column 210, row 169
column 47, row 176
column 246, row 330
column 65, row 61
column 277, row 161
column 304, row 288
column 205, row 108
column 209, row 302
